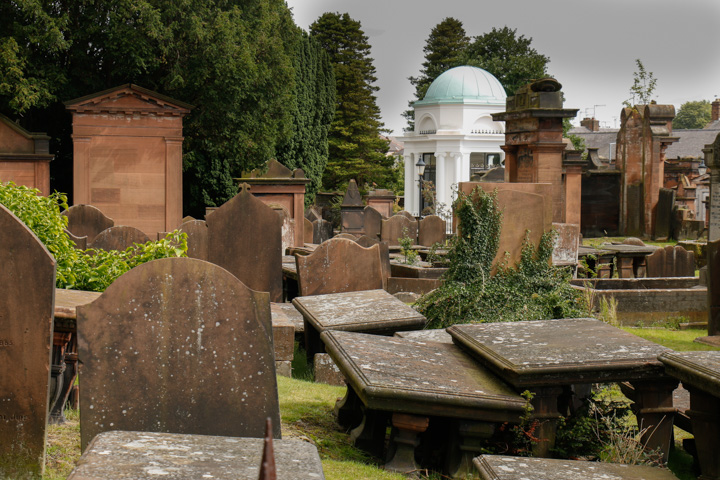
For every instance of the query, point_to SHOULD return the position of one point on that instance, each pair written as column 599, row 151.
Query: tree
column 643, row 86
column 312, row 111
column 356, row 148
column 507, row 56
column 231, row 60
column 444, row 49
column 694, row 114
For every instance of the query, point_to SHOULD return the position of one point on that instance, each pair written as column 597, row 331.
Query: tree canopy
column 694, row 114
column 357, row 151
column 508, row 56
column 235, row 61
column 444, row 49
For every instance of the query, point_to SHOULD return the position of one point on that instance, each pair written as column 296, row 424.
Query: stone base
column 415, row 285
column 284, row 368
column 326, row 371
column 713, row 340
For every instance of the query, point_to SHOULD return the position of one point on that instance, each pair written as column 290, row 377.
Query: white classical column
column 411, row 183
column 441, row 183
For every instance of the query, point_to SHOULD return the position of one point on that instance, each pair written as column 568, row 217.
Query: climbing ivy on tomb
column 532, row 289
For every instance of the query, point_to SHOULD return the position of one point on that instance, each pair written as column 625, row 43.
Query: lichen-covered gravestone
column 27, row 283
column 397, row 227
column 177, row 345
column 245, row 237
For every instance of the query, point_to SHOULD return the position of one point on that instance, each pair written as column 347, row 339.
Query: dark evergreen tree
column 444, row 49
column 357, row 151
column 312, row 112
column 231, row 60
column 509, row 57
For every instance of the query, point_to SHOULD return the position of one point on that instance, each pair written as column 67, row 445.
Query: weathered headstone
column 119, row 238
column 244, row 237
column 522, row 212
column 177, row 345
column 308, row 234
column 197, row 239
column 351, row 210
column 664, row 213
column 671, row 261
column 339, row 265
column 346, row 236
column 406, row 214
column 372, row 222
column 396, row 227
column 366, row 241
column 27, row 283
column 87, row 221
column 322, row 230
column 431, row 231
column 566, row 244
column 80, row 242
column 635, row 207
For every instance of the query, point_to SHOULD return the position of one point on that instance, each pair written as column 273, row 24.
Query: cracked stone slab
column 560, row 352
column 146, row 455
column 498, row 467
column 424, row 378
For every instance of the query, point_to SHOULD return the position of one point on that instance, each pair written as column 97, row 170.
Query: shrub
column 532, row 289
column 91, row 269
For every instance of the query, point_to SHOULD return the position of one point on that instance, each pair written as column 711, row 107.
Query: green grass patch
column 679, row 340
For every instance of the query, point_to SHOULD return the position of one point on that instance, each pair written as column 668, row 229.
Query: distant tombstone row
column 671, row 261
column 27, row 283
column 88, row 227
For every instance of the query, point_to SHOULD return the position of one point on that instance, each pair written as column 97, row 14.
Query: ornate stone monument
column 352, row 210
column 24, row 156
column 27, row 283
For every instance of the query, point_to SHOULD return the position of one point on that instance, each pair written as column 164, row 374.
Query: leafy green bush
column 91, row 269
column 532, row 289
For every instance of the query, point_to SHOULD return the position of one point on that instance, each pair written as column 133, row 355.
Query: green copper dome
column 464, row 85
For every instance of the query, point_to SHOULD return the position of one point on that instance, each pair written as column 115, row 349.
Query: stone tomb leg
column 27, row 283
column 177, row 345
column 404, row 440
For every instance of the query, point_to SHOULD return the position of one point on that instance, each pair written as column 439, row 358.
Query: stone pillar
column 440, row 179
column 573, row 188
column 81, row 170
column 712, row 160
column 411, row 183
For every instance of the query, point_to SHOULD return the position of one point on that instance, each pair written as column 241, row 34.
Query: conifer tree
column 444, row 49
column 357, row 151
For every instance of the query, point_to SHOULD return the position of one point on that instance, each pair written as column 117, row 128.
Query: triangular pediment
column 128, row 99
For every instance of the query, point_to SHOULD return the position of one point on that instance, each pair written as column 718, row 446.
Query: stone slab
column 87, row 221
column 326, row 371
column 414, row 285
column 339, row 265
column 197, row 238
column 438, row 335
column 372, row 222
column 245, row 238
column 27, row 283
column 431, row 230
column 400, row 375
column 397, row 226
column 177, row 345
column 364, row 311
column 498, row 467
column 289, row 312
column 700, row 369
column 145, row 455
column 119, row 237
column 566, row 244
column 560, row 352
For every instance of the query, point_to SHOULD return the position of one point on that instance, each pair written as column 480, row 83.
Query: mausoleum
column 455, row 135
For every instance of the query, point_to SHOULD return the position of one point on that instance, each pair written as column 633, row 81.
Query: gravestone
column 566, row 244
column 177, row 345
column 522, row 212
column 322, row 230
column 308, row 233
column 339, row 265
column 87, row 221
column 634, row 220
column 396, row 227
column 406, row 214
column 664, row 214
column 671, row 261
column 80, row 242
column 119, row 238
column 431, row 231
column 346, row 236
column 244, row 237
column 27, row 283
column 197, row 239
column 351, row 210
column 312, row 214
column 366, row 241
column 372, row 223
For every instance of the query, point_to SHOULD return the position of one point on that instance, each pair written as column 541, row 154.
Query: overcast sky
column 592, row 45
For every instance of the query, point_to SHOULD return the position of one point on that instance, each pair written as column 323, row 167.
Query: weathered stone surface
column 283, row 338
column 287, row 311
column 497, row 467
column 699, row 369
column 197, row 241
column 713, row 286
column 396, row 374
column 366, row 241
column 27, row 283
column 326, row 371
column 245, row 239
column 134, row 455
column 87, row 221
column 80, row 242
column 346, row 236
column 438, row 335
column 352, row 196
column 119, row 238
column 308, row 230
column 395, row 227
column 566, row 244
column 560, row 352
column 372, row 222
column 415, row 285
column 671, row 261
column 177, row 345
column 322, row 231
column 339, row 265
column 431, row 230
column 407, row 215
column 664, row 214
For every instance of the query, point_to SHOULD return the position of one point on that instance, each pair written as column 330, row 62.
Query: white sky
column 592, row 45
